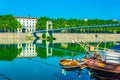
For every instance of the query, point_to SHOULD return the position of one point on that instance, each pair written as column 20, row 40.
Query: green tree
column 66, row 23
column 8, row 22
column 41, row 22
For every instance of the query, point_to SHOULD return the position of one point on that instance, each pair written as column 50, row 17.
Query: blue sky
column 81, row 9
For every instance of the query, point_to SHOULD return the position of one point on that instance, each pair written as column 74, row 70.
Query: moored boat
column 70, row 64
column 99, row 61
column 101, row 65
column 111, row 71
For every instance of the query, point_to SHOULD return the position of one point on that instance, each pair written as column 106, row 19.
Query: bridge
column 80, row 27
column 49, row 29
column 65, row 37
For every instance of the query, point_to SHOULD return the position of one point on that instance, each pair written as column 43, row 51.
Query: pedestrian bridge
column 79, row 27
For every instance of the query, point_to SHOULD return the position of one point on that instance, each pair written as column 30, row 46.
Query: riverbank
column 60, row 37
column 13, row 35
column 68, row 37
column 13, row 38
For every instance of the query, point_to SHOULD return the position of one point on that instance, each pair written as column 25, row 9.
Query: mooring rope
column 46, row 63
column 56, row 66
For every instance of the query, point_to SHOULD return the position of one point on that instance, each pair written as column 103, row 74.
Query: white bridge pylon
column 48, row 27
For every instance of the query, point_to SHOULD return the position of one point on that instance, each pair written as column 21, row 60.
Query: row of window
column 26, row 20
column 29, row 26
column 28, row 52
column 24, row 54
column 29, row 49
column 27, row 23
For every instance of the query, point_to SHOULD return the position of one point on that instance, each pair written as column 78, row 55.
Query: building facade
column 28, row 50
column 28, row 24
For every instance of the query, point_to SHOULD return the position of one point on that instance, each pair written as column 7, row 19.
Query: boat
column 102, row 66
column 70, row 64
column 105, row 61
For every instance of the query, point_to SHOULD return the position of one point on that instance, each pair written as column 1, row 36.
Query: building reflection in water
column 29, row 49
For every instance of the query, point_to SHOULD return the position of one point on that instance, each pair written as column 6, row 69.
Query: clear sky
column 81, row 9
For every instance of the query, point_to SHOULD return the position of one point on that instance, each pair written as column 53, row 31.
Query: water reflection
column 40, row 60
column 45, row 49
column 28, row 50
column 9, row 52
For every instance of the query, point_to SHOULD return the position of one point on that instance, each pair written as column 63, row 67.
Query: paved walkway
column 66, row 37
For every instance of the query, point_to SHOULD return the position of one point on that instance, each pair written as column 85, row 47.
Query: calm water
column 39, row 61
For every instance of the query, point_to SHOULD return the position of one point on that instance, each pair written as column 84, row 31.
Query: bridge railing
column 81, row 27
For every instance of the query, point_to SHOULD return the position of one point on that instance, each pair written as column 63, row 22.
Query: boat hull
column 100, row 74
column 69, row 64
column 102, row 69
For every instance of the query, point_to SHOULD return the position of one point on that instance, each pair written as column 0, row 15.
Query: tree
column 67, row 23
column 8, row 22
column 41, row 22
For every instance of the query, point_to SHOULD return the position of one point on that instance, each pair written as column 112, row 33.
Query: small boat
column 70, row 64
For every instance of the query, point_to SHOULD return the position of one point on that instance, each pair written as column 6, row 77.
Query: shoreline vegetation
column 8, row 23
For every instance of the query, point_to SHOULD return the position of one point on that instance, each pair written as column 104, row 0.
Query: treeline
column 66, row 23
column 115, row 29
column 8, row 23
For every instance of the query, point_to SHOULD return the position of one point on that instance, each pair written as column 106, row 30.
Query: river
column 40, row 61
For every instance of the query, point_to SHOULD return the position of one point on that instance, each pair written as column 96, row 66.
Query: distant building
column 28, row 24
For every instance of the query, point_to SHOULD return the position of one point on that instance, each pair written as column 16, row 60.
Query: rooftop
column 25, row 17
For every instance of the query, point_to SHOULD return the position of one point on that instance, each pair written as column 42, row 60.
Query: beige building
column 28, row 24
column 28, row 50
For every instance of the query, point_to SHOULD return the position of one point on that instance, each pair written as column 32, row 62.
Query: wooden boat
column 103, row 66
column 110, row 70
column 100, row 61
column 69, row 64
